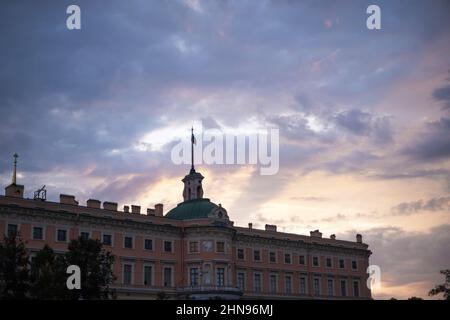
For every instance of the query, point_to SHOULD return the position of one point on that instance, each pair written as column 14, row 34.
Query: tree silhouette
column 96, row 269
column 14, row 268
column 442, row 288
column 48, row 276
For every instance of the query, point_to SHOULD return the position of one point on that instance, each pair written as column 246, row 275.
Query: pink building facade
column 193, row 251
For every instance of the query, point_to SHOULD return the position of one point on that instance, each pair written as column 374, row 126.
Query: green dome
column 197, row 209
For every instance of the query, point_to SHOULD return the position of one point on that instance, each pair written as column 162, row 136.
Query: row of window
column 148, row 279
column 303, row 287
column 195, row 272
column 107, row 239
column 194, row 246
column 301, row 259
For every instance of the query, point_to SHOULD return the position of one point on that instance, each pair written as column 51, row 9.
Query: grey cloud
column 433, row 144
column 407, row 257
column 443, row 95
column 363, row 123
column 433, row 204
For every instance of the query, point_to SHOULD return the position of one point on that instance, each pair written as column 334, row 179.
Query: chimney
column 150, row 212
column 250, row 225
column 110, row 206
column 136, row 209
column 67, row 199
column 359, row 238
column 333, row 237
column 316, row 233
column 92, row 203
column 271, row 227
column 126, row 209
column 159, row 209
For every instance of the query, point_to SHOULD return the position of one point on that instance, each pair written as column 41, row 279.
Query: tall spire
column 14, row 175
column 193, row 141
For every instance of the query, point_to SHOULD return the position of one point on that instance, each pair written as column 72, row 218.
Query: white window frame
column 305, row 259
column 353, row 288
column 112, row 238
column 62, row 229
column 19, row 227
column 172, row 282
column 318, row 261
column 153, row 244
column 189, row 247
column 43, row 232
column 245, row 280
column 224, row 275
column 326, row 266
column 290, row 258
column 339, row 263
column 164, row 246
column 304, row 276
column 224, row 246
column 260, row 255
column 123, row 273
column 320, row 286
column 132, row 241
column 286, row 276
column 333, row 287
column 198, row 275
column 260, row 282
column 276, row 283
column 276, row 258
column 237, row 254
column 152, row 265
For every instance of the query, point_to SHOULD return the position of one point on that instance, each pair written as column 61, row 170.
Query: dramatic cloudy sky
column 364, row 116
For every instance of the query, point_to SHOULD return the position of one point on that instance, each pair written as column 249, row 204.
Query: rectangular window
column 167, row 246
column 220, row 246
column 193, row 277
column 167, row 277
column 315, row 261
column 317, row 286
column 240, row 254
column 38, row 233
column 148, row 244
column 12, row 230
column 148, row 276
column 257, row 255
column 287, row 258
column 61, row 235
column 288, row 284
column 193, row 247
column 330, row 285
column 273, row 283
column 356, row 288
column 84, row 235
column 128, row 242
column 301, row 260
column 272, row 256
column 107, row 240
column 302, row 285
column 354, row 265
column 127, row 273
column 257, row 283
column 329, row 263
column 343, row 288
column 341, row 263
column 220, row 277
column 241, row 281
